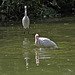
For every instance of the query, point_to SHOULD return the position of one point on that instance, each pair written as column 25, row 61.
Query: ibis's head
column 36, row 36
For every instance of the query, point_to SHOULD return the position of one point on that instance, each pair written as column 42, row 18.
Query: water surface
column 19, row 55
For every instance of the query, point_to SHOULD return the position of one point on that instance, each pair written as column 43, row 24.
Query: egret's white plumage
column 44, row 42
column 25, row 20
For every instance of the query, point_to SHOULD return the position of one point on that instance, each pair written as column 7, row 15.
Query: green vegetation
column 37, row 9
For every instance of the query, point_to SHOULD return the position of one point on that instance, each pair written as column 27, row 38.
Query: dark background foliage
column 37, row 9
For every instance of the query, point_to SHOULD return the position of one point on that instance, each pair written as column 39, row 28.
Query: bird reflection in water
column 26, row 58
column 37, row 58
column 42, row 55
column 26, row 53
column 27, row 64
column 25, row 43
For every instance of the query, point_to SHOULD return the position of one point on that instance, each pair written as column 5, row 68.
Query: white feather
column 44, row 42
column 25, row 20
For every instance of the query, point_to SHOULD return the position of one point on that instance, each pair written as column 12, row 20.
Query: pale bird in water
column 25, row 21
column 44, row 42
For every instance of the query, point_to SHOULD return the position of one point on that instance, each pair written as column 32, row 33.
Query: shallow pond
column 20, row 56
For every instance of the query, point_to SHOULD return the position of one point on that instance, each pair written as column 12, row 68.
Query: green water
column 17, row 53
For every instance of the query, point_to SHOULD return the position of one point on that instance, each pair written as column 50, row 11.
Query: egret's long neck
column 25, row 11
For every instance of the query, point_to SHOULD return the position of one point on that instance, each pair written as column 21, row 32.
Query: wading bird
column 44, row 42
column 25, row 21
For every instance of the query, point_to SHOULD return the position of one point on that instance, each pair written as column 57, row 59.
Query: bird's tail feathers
column 56, row 46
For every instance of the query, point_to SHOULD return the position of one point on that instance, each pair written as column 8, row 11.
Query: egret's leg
column 28, row 30
column 24, row 31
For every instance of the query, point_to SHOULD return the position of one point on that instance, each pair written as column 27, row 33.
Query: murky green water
column 19, row 55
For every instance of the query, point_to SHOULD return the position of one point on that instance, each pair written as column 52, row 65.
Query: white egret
column 44, row 42
column 25, row 21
